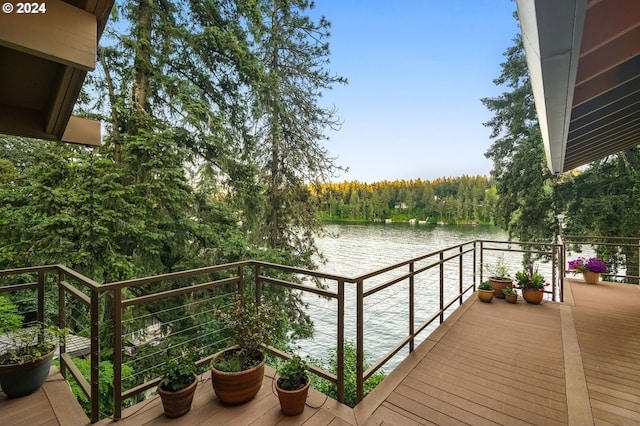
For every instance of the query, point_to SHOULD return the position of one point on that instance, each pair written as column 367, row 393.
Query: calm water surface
column 354, row 249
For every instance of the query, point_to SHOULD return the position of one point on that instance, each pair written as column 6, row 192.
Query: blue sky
column 417, row 70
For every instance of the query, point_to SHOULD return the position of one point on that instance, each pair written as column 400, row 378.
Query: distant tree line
column 458, row 200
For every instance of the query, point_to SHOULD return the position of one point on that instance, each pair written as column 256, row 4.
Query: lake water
column 354, row 249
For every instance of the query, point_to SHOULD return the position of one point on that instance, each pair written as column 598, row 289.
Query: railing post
column 241, row 279
column 441, row 287
column 563, row 262
column 360, row 341
column 340, row 343
column 475, row 264
column 95, row 356
column 62, row 319
column 41, row 296
column 481, row 260
column 554, row 271
column 258, row 293
column 412, row 307
column 460, row 277
column 117, row 353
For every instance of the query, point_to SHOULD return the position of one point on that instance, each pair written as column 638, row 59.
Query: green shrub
column 350, row 369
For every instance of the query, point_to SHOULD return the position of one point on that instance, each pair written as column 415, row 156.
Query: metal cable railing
column 146, row 330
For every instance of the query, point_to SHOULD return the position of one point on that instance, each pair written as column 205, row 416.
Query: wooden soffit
column 584, row 62
column 44, row 58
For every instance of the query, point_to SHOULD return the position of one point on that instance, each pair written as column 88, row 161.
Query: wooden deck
column 607, row 322
column 53, row 404
column 550, row 364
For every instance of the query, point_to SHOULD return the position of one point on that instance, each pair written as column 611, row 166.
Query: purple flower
column 596, row 265
column 576, row 264
column 593, row 264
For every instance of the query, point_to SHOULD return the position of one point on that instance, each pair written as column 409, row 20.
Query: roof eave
column 551, row 35
column 47, row 57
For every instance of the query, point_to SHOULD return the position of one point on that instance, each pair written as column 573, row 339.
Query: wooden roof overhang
column 584, row 61
column 44, row 59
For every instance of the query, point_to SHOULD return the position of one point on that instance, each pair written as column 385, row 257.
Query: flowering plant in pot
column 178, row 386
column 237, row 372
column 26, row 357
column 592, row 264
column 590, row 268
column 292, row 386
column 532, row 284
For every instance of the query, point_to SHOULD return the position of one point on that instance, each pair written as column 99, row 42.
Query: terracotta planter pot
column 19, row 380
column 511, row 298
column 292, row 401
column 532, row 296
column 485, row 295
column 236, row 388
column 177, row 403
column 498, row 285
column 591, row 277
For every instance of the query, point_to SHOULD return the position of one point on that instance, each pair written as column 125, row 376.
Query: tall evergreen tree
column 290, row 124
column 175, row 77
column 599, row 201
column 525, row 207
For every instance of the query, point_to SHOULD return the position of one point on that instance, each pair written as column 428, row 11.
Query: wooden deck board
column 482, row 399
column 607, row 318
column 497, row 376
column 319, row 418
column 480, row 369
column 611, row 399
column 418, row 408
column 52, row 404
column 387, row 415
column 466, row 400
column 58, row 392
column 612, row 418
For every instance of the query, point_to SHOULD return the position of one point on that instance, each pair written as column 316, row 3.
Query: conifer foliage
column 290, row 123
column 525, row 207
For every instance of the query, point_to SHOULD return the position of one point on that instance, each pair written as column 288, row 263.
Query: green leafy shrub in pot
column 509, row 291
column 293, row 374
column 499, row 270
column 237, row 372
column 178, row 374
column 26, row 344
column 486, row 285
column 250, row 326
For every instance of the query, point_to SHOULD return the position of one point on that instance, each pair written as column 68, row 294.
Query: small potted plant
column 590, row 269
column 292, row 386
column 532, row 284
column 237, row 372
column 510, row 295
column 485, row 292
column 499, row 277
column 25, row 363
column 178, row 386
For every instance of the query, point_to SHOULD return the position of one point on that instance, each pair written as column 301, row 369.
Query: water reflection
column 355, row 249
